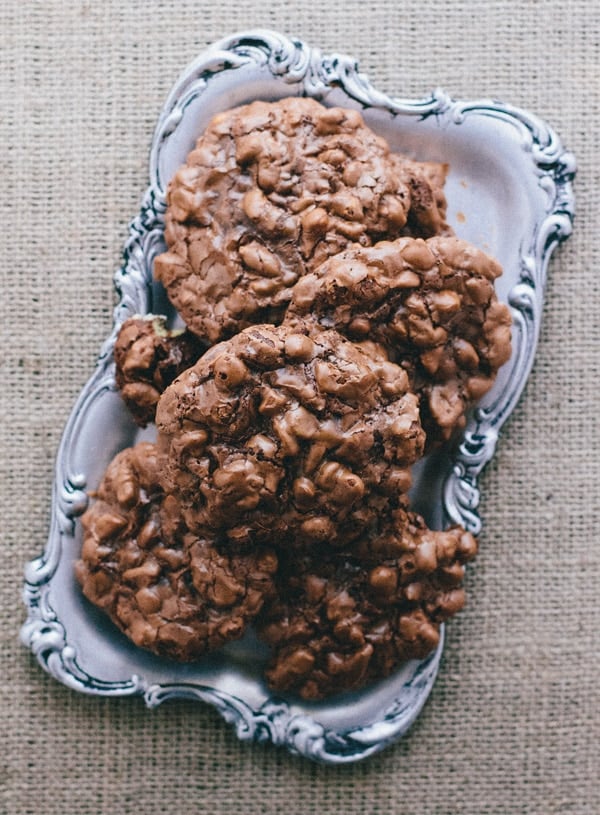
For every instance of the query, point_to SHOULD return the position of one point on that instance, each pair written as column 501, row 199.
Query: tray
column 509, row 192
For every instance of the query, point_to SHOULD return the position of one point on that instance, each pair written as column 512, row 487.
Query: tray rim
column 292, row 61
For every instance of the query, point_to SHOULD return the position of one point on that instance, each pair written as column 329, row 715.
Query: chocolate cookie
column 148, row 357
column 274, row 435
column 426, row 215
column 169, row 591
column 431, row 304
column 339, row 624
column 270, row 191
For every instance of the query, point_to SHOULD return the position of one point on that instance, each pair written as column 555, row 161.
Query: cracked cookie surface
column 274, row 435
column 338, row 623
column 271, row 190
column 432, row 306
column 148, row 357
column 171, row 592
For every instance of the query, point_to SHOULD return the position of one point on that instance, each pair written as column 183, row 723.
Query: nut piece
column 148, row 357
column 279, row 437
column 171, row 592
column 339, row 623
column 270, row 191
column 430, row 304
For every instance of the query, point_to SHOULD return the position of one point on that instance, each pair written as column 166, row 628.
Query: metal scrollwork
column 555, row 168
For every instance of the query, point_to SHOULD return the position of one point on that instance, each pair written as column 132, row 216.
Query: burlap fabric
column 513, row 724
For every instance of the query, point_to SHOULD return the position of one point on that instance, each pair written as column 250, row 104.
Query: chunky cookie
column 270, row 191
column 148, row 357
column 274, row 435
column 431, row 304
column 426, row 215
column 169, row 591
column 338, row 624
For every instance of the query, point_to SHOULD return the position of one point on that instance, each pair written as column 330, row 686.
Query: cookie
column 270, row 191
column 338, row 624
column 274, row 435
column 170, row 592
column 148, row 357
column 425, row 180
column 431, row 304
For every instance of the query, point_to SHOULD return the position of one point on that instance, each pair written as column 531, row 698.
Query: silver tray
column 509, row 192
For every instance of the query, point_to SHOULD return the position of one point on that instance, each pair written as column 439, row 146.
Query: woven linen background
column 513, row 723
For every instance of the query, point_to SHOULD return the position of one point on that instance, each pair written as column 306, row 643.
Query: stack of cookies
column 336, row 331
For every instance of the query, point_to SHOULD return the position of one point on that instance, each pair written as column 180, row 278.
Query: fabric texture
column 513, row 723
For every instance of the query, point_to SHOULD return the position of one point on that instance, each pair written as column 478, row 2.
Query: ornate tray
column 509, row 192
